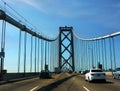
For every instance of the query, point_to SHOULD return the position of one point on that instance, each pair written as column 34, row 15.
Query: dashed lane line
column 86, row 88
column 34, row 88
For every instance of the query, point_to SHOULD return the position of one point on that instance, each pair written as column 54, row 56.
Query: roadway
column 64, row 82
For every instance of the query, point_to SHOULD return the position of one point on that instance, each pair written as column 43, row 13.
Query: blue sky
column 89, row 18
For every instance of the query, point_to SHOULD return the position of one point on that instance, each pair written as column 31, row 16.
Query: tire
column 89, row 79
column 85, row 79
column 104, row 81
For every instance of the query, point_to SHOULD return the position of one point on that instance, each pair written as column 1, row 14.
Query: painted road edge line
column 86, row 88
column 34, row 88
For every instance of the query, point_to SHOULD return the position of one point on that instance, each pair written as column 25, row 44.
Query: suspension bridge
column 68, row 52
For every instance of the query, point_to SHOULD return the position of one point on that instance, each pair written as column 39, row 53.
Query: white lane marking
column 34, row 88
column 86, row 88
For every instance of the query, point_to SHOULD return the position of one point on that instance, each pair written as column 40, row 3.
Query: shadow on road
column 102, row 82
column 55, row 84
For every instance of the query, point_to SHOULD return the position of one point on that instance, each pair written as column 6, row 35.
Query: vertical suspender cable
column 89, row 54
column 80, row 54
column 53, row 56
column 3, row 44
column 111, row 53
column 114, row 52
column 94, row 57
column 3, row 41
column 42, row 51
column 45, row 54
column 97, row 51
column 102, row 55
column 38, row 55
column 48, row 56
column 85, row 50
column 92, row 50
column 84, row 54
column 19, row 51
column 105, row 54
column 31, row 52
column 76, row 55
column 35, row 53
column 41, row 54
column 25, row 40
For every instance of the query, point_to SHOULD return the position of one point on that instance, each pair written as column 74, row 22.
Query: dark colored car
column 45, row 74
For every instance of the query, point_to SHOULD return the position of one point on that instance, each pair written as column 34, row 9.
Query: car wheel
column 104, row 81
column 85, row 79
column 88, row 79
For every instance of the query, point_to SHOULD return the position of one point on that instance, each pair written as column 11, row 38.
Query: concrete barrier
column 13, row 76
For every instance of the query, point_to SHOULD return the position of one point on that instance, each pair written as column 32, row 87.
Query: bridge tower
column 66, row 48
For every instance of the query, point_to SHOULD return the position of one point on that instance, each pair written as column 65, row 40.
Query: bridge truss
column 66, row 49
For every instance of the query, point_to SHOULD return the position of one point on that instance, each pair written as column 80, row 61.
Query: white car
column 95, row 74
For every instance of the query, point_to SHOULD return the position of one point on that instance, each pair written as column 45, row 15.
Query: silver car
column 116, row 73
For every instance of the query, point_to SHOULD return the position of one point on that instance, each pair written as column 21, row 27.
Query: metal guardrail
column 17, row 76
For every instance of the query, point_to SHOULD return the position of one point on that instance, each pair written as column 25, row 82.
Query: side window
column 117, row 69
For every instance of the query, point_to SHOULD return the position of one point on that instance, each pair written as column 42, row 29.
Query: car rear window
column 117, row 69
column 96, row 70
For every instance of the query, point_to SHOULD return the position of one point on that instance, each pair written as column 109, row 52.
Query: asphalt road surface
column 62, row 82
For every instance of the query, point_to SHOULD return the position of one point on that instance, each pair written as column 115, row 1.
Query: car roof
column 95, row 69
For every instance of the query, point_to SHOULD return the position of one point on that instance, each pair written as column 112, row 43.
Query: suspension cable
column 3, row 40
column 105, row 53
column 48, row 55
column 45, row 54
column 41, row 54
column 113, row 44
column 3, row 44
column 25, row 43
column 102, row 54
column 19, row 52
column 38, row 55
column 35, row 53
column 111, row 53
column 31, row 51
